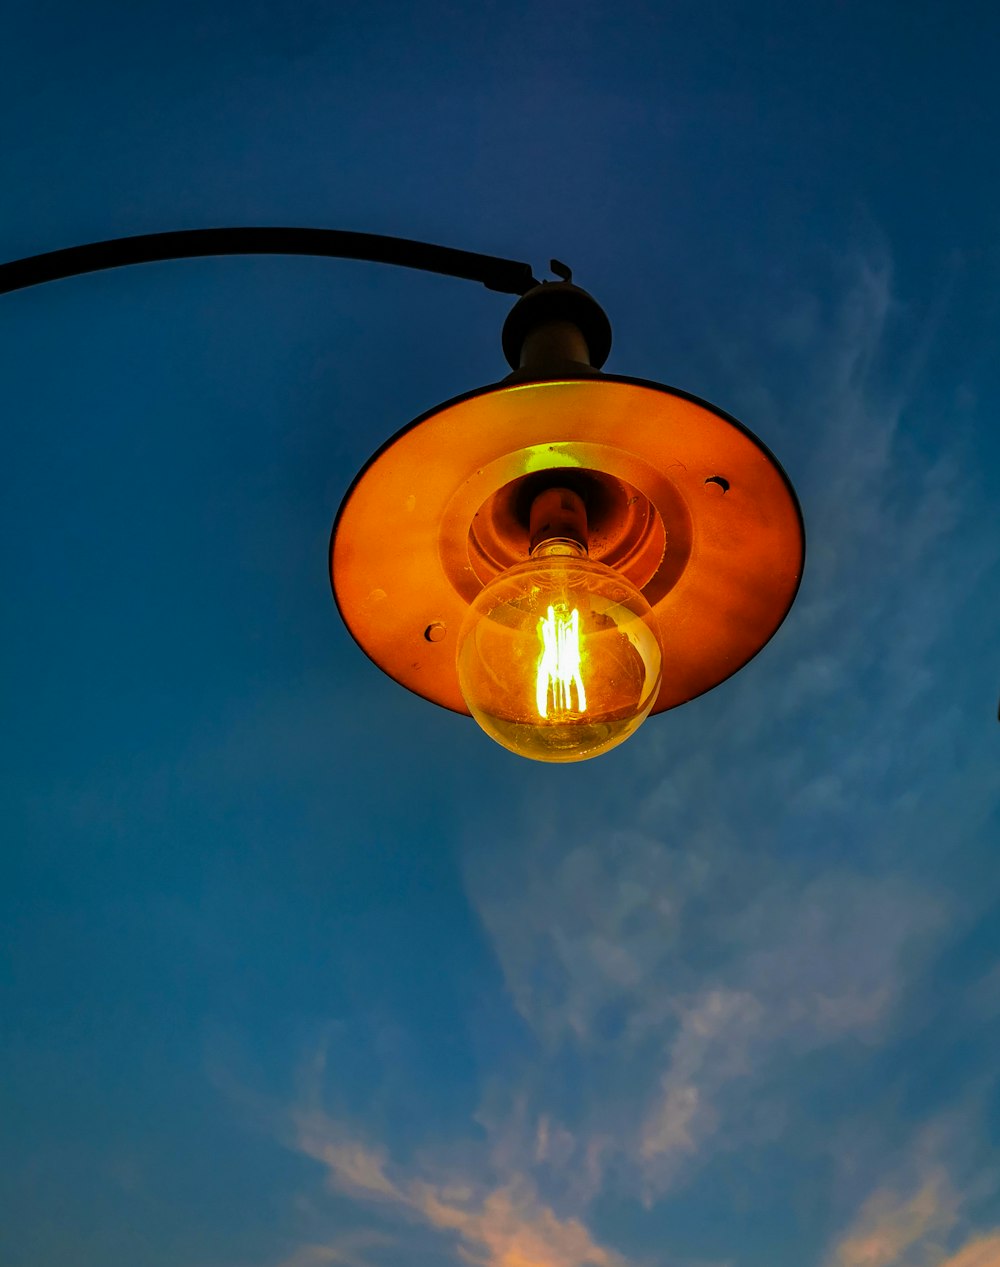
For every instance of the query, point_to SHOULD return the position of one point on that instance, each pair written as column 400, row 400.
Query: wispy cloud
column 891, row 1228
column 917, row 1215
column 503, row 1226
column 694, row 1020
column 503, row 1223
column 982, row 1251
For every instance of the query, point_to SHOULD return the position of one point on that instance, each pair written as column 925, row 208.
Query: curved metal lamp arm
column 507, row 276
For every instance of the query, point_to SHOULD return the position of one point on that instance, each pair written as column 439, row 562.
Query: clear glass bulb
column 558, row 657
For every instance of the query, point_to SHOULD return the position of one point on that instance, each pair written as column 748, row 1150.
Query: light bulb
column 558, row 657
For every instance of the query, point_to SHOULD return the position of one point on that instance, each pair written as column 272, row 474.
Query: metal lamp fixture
column 559, row 554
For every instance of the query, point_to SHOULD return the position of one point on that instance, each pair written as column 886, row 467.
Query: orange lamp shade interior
column 681, row 499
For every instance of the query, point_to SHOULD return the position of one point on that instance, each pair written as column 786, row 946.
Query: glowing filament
column 559, row 663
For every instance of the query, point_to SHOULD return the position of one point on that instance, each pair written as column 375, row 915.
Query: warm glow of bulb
column 559, row 657
column 559, row 663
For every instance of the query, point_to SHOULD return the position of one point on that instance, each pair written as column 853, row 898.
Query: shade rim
column 480, row 446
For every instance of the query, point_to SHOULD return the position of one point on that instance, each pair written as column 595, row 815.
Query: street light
column 558, row 554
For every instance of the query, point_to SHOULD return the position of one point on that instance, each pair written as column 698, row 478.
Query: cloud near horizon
column 915, row 1218
column 983, row 1251
column 505, row 1226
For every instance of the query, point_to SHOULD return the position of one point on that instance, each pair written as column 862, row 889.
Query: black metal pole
column 507, row 276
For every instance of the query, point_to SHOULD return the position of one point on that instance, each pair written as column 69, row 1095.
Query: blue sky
column 298, row 969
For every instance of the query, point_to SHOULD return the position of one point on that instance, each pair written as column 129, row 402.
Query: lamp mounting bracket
column 506, row 276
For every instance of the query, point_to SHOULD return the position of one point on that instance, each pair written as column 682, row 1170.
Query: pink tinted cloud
column 890, row 1226
column 984, row 1251
column 505, row 1225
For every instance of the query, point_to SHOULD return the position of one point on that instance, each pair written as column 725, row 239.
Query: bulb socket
column 558, row 514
